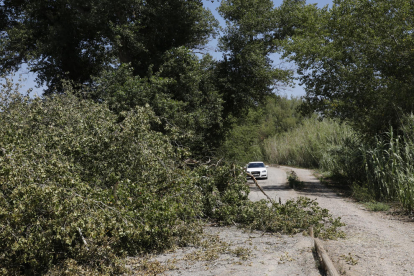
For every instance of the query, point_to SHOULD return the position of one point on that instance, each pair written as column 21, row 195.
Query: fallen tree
column 82, row 187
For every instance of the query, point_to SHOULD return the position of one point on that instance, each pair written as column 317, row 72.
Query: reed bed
column 383, row 165
column 389, row 165
column 308, row 145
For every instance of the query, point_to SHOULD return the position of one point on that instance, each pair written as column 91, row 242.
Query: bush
column 293, row 217
column 377, row 206
column 293, row 181
column 81, row 188
column 79, row 185
column 361, row 193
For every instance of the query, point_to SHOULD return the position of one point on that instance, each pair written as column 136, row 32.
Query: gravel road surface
column 376, row 243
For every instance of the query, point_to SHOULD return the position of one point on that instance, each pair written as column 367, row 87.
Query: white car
column 257, row 169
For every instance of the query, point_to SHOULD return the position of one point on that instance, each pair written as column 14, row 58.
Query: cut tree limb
column 258, row 186
column 326, row 261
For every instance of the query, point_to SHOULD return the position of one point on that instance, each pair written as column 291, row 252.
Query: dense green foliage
column 81, row 187
column 182, row 93
column 75, row 40
column 312, row 144
column 138, row 52
column 246, row 75
column 355, row 60
column 389, row 166
column 81, row 41
column 293, row 217
column 70, row 171
column 245, row 140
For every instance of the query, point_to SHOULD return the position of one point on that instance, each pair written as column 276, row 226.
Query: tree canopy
column 137, row 52
column 355, row 60
column 181, row 93
column 246, row 75
column 77, row 39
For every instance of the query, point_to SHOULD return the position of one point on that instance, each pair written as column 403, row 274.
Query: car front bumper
column 258, row 174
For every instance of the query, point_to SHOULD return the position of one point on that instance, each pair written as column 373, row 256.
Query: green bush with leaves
column 182, row 93
column 83, row 187
column 226, row 201
column 293, row 217
column 293, row 181
column 78, row 184
column 389, row 163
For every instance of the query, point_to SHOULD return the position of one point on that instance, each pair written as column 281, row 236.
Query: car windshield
column 256, row 165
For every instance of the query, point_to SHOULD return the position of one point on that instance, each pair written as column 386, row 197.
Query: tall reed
column 384, row 165
column 307, row 145
column 389, row 166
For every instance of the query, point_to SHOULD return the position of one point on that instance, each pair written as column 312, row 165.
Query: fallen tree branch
column 326, row 261
column 260, row 188
column 83, row 239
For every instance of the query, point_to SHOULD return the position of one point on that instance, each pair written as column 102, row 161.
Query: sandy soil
column 376, row 243
column 265, row 255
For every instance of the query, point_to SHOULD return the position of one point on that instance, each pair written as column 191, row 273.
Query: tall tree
column 181, row 93
column 75, row 39
column 356, row 60
column 246, row 74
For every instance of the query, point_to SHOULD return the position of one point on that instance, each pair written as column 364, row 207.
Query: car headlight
column 264, row 171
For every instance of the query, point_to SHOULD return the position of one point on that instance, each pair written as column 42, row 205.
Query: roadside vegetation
column 246, row 139
column 140, row 135
column 378, row 169
column 293, row 181
column 83, row 187
column 310, row 144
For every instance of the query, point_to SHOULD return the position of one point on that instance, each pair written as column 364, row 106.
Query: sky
column 28, row 78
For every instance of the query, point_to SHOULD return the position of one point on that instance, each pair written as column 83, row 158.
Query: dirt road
column 376, row 244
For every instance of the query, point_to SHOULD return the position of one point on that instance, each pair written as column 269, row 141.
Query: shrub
column 377, row 206
column 81, row 187
column 77, row 184
column 361, row 193
column 293, row 217
column 293, row 181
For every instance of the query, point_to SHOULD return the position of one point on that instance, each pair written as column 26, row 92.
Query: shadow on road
column 267, row 187
column 309, row 189
column 316, row 189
